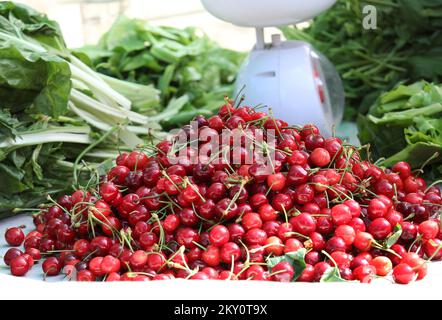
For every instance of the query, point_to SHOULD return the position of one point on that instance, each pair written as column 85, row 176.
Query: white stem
column 83, row 100
column 30, row 139
column 27, row 44
column 99, row 86
column 129, row 138
column 102, row 154
column 89, row 118
column 81, row 86
column 139, row 130
column 80, row 65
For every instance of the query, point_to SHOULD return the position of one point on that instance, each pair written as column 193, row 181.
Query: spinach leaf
column 405, row 125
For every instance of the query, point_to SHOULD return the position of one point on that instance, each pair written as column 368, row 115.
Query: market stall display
column 305, row 209
column 238, row 194
column 53, row 107
column 60, row 120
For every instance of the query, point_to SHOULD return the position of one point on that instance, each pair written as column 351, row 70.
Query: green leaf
column 141, row 60
column 11, row 178
column 123, row 34
column 31, row 80
column 8, row 124
column 373, row 61
column 18, row 18
column 384, row 140
column 394, row 238
column 298, row 262
column 142, row 97
column 416, row 154
column 406, row 117
column 296, row 259
column 185, row 116
column 36, row 167
column 401, row 92
column 332, row 275
column 94, row 52
column 166, row 79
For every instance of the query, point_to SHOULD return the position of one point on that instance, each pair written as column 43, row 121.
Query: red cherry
column 14, row 237
column 283, row 272
column 219, row 235
column 377, row 209
column 276, row 181
column 19, row 266
column 320, row 157
column 380, row 228
column 363, row 241
column 403, row 274
column 304, row 224
column 341, row 215
column 230, row 252
column 429, row 229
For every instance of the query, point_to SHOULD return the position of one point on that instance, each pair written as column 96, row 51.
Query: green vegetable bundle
column 406, row 125
column 55, row 111
column 192, row 72
column 406, row 46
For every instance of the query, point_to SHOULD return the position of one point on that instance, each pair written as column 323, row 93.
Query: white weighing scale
column 291, row 77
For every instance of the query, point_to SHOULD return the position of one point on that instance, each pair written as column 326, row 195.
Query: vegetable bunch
column 406, row 46
column 53, row 106
column 405, row 124
column 192, row 72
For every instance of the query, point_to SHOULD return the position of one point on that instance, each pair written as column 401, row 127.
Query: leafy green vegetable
column 53, row 106
column 177, row 62
column 406, row 46
column 405, row 124
column 296, row 259
column 31, row 78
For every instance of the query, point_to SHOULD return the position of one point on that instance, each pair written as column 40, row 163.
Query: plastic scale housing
column 298, row 83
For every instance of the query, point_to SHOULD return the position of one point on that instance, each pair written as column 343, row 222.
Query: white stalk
column 102, row 154
column 80, row 65
column 27, row 44
column 30, row 139
column 84, row 101
column 89, row 118
column 99, row 86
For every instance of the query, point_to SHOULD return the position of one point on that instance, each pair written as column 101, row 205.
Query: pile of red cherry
column 323, row 214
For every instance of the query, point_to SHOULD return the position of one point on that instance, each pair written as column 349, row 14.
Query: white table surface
column 56, row 288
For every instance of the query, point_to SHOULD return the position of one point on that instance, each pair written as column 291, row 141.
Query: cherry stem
column 199, row 245
column 433, row 185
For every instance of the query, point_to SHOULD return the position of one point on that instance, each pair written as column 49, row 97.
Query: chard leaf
column 33, row 81
column 8, row 124
column 123, row 34
column 11, row 178
column 19, row 18
column 416, row 154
